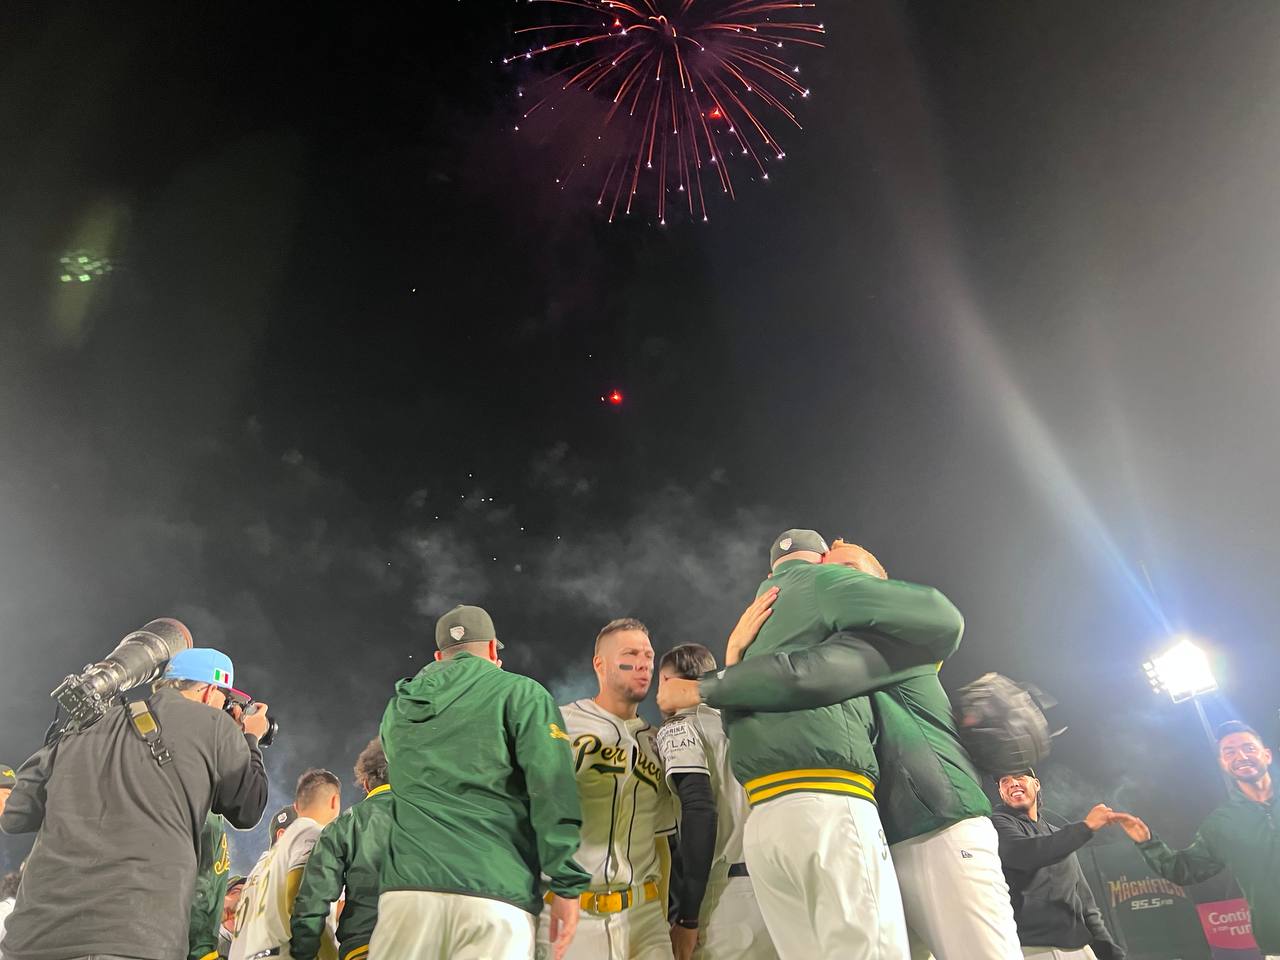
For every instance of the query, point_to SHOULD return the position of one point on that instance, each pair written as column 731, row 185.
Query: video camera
column 241, row 700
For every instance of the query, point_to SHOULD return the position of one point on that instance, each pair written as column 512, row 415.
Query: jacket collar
column 1011, row 811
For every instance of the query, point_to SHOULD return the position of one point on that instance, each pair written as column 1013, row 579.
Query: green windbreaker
column 211, row 889
column 483, row 795
column 348, row 856
column 1241, row 835
column 793, row 708
column 927, row 780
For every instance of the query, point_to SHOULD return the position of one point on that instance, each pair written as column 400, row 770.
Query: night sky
column 1006, row 314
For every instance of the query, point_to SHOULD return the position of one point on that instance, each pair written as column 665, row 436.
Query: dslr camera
column 238, row 699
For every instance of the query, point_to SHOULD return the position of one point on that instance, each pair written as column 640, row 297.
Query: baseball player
column 483, row 800
column 348, row 856
column 627, row 812
column 211, row 889
column 717, row 917
column 935, row 815
column 1056, row 913
column 226, row 929
column 1242, row 834
column 266, row 903
column 814, row 843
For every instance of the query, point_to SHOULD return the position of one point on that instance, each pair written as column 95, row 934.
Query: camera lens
column 272, row 729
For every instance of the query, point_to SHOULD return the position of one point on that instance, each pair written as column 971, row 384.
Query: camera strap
column 145, row 724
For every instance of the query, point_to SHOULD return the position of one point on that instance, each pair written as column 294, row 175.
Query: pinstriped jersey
column 693, row 741
column 626, row 805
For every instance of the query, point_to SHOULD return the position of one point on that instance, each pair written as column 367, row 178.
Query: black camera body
column 242, row 700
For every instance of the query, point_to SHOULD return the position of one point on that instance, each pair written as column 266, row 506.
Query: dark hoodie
column 483, row 796
column 1052, row 902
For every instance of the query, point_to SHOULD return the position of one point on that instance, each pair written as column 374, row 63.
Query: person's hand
column 683, row 941
column 255, row 722
column 1098, row 817
column 676, row 694
column 749, row 624
column 564, row 923
column 1138, row 831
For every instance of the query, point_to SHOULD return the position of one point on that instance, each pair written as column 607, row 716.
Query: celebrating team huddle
column 787, row 827
column 810, row 798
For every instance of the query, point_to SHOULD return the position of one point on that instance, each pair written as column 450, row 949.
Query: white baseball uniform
column 821, row 870
column 955, row 895
column 730, row 924
column 426, row 925
column 626, row 807
column 262, row 915
column 1053, row 953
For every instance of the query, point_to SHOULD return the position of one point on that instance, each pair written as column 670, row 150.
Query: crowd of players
column 809, row 799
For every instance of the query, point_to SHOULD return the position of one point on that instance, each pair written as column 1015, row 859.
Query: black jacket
column 113, row 869
column 1052, row 902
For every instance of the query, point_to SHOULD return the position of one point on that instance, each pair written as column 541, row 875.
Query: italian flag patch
column 221, row 676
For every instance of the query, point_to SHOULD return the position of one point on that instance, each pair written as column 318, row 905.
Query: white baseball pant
column 954, row 894
column 420, row 925
column 638, row 933
column 730, row 924
column 1053, row 953
column 822, row 875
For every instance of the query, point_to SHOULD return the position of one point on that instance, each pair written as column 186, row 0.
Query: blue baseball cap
column 203, row 665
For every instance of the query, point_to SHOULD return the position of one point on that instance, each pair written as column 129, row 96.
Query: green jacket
column 927, row 780
column 1244, row 836
column 211, row 889
column 348, row 856
column 483, row 795
column 794, row 707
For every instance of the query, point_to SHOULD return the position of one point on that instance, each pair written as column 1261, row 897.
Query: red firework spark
column 691, row 81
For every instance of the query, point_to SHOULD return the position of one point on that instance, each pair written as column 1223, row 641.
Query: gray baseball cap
column 284, row 819
column 465, row 624
column 789, row 541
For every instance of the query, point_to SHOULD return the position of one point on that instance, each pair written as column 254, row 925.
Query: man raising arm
column 1242, row 834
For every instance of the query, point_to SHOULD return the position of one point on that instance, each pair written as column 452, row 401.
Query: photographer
column 120, row 805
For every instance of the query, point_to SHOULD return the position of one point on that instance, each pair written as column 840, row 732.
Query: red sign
column 1227, row 925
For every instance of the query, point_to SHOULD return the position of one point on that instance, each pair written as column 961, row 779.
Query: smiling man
column 1242, row 834
column 627, row 811
column 1054, row 908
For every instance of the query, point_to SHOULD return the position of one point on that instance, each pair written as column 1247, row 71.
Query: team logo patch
column 457, row 632
column 557, row 733
column 785, row 543
column 223, row 863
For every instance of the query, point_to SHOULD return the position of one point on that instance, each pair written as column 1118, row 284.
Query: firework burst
column 687, row 85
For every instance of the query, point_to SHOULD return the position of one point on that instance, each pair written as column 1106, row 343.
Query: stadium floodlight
column 1183, row 671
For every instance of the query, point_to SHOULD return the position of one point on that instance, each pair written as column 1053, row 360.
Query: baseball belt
column 613, row 901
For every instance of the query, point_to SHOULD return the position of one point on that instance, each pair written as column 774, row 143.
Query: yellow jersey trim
column 833, row 774
column 810, row 786
column 386, row 787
